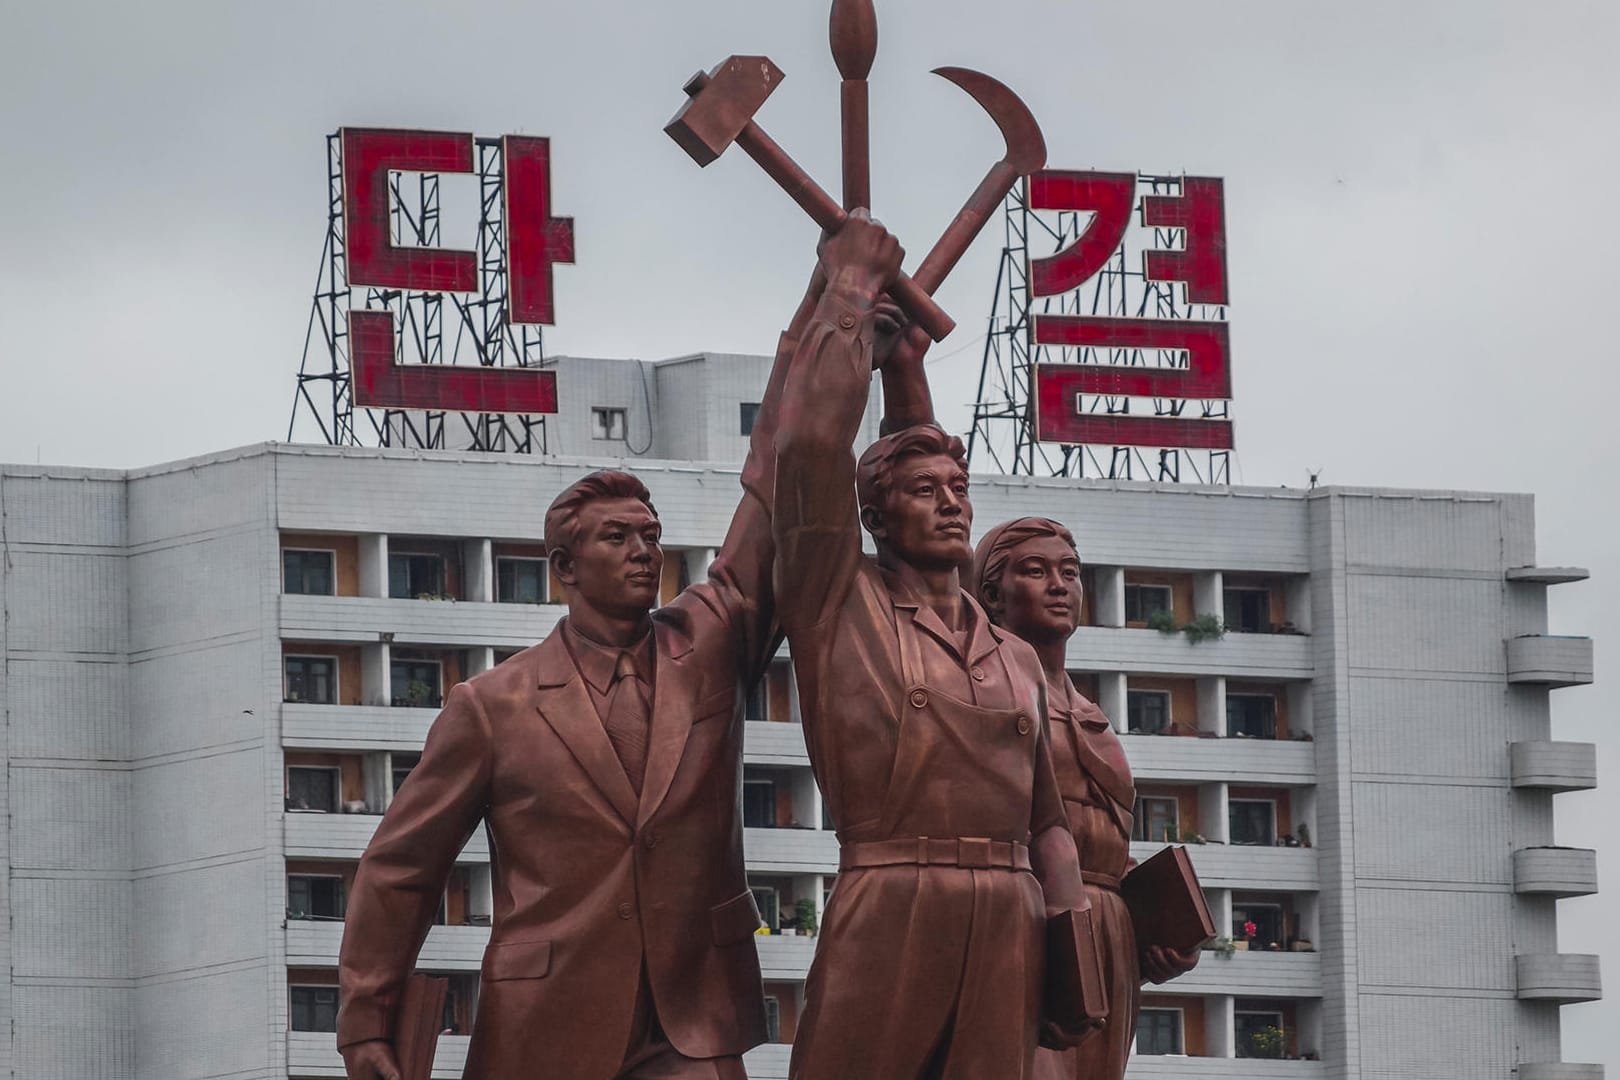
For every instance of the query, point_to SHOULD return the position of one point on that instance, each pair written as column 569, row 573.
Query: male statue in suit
column 604, row 762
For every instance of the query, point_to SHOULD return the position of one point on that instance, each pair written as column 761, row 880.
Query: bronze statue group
column 978, row 799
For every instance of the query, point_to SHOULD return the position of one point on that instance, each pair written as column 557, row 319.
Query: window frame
column 1142, row 820
column 1248, row 906
column 331, row 567
column 1237, row 1038
column 336, row 773
column 443, row 574
column 1144, row 615
column 608, row 412
column 1236, row 626
column 438, row 683
column 545, row 577
column 1169, row 718
column 292, row 1008
column 1272, row 803
column 746, row 419
column 760, row 781
column 773, row 1019
column 286, row 689
column 311, row 915
column 1272, row 698
column 1181, row 1031
column 776, row 903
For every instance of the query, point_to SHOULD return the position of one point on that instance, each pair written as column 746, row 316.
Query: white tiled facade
column 148, row 743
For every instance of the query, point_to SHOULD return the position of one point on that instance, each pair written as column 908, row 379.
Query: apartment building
column 218, row 671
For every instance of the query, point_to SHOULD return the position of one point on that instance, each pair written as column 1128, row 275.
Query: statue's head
column 603, row 540
column 913, row 492
column 1026, row 573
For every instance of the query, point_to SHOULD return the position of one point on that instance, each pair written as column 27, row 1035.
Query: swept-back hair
column 562, row 517
column 991, row 556
column 875, row 471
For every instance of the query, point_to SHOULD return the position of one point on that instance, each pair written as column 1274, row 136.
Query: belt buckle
column 973, row 852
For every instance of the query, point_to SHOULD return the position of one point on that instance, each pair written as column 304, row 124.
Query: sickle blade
column 1026, row 147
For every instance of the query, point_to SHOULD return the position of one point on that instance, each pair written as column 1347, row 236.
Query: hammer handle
column 825, row 211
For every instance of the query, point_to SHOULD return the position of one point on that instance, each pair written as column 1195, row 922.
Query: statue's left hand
column 1160, row 965
column 898, row 342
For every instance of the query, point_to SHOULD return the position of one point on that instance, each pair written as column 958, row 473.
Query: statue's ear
column 563, row 565
column 992, row 600
column 872, row 522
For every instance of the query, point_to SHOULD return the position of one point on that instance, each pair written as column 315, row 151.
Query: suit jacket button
column 978, row 674
column 919, row 699
column 625, row 911
column 1023, row 724
column 847, row 321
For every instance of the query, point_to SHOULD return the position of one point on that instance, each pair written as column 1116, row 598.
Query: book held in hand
column 1167, row 904
column 1075, row 990
column 421, row 1018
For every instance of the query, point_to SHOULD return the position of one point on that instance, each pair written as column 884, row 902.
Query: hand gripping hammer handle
column 825, row 211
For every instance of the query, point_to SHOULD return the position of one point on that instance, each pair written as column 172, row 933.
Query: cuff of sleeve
column 843, row 315
column 361, row 1022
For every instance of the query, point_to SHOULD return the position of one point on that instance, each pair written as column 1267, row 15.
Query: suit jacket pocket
column 517, row 960
column 720, row 703
column 735, row 920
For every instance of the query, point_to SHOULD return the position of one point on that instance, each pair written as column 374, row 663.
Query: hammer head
column 1026, row 147
column 721, row 105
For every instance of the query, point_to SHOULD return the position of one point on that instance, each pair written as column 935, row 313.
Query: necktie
column 627, row 717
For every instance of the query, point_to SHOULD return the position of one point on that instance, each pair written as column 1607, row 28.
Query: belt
column 969, row 852
column 1100, row 880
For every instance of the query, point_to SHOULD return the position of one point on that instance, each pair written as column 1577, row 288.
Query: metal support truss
column 1002, row 439
column 480, row 329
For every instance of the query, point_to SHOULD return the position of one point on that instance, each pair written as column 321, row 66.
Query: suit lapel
column 566, row 705
column 672, row 706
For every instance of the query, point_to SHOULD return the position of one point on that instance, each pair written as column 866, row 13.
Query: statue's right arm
column 402, row 876
column 816, row 525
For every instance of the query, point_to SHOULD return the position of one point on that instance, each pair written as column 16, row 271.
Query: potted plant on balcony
column 1162, row 621
column 806, row 911
column 1242, row 943
column 1268, row 1042
column 1222, row 947
column 1204, row 628
column 1190, row 836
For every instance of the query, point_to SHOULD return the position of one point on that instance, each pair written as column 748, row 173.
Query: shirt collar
column 598, row 662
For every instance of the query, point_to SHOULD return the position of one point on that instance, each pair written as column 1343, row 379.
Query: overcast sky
column 1423, row 269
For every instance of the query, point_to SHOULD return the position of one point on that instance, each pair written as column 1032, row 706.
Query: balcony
column 1548, row 575
column 345, row 836
column 416, row 622
column 1237, row 866
column 1554, row 871
column 448, row 948
column 314, row 1054
column 1240, row 656
column 784, row 959
column 770, row 1062
column 1550, row 661
column 1565, row 978
column 1555, row 766
column 791, row 851
column 354, row 727
column 1253, row 974
column 1559, row 1070
column 774, row 743
column 1180, row 1067
column 1254, row 762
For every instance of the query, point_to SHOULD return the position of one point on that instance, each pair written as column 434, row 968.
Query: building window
column 1259, row 1034
column 415, row 683
column 1157, row 819
column 400, row 766
column 1267, row 920
column 1147, row 712
column 306, row 573
column 1158, row 1031
column 608, row 423
column 757, row 707
column 1253, row 821
column 312, row 789
column 313, row 896
column 1247, row 611
column 773, row 1019
column 769, row 904
column 749, row 414
column 522, row 581
column 1141, row 601
column 314, row 1008
column 413, row 576
column 1251, row 716
column 311, row 680
column 759, row 804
